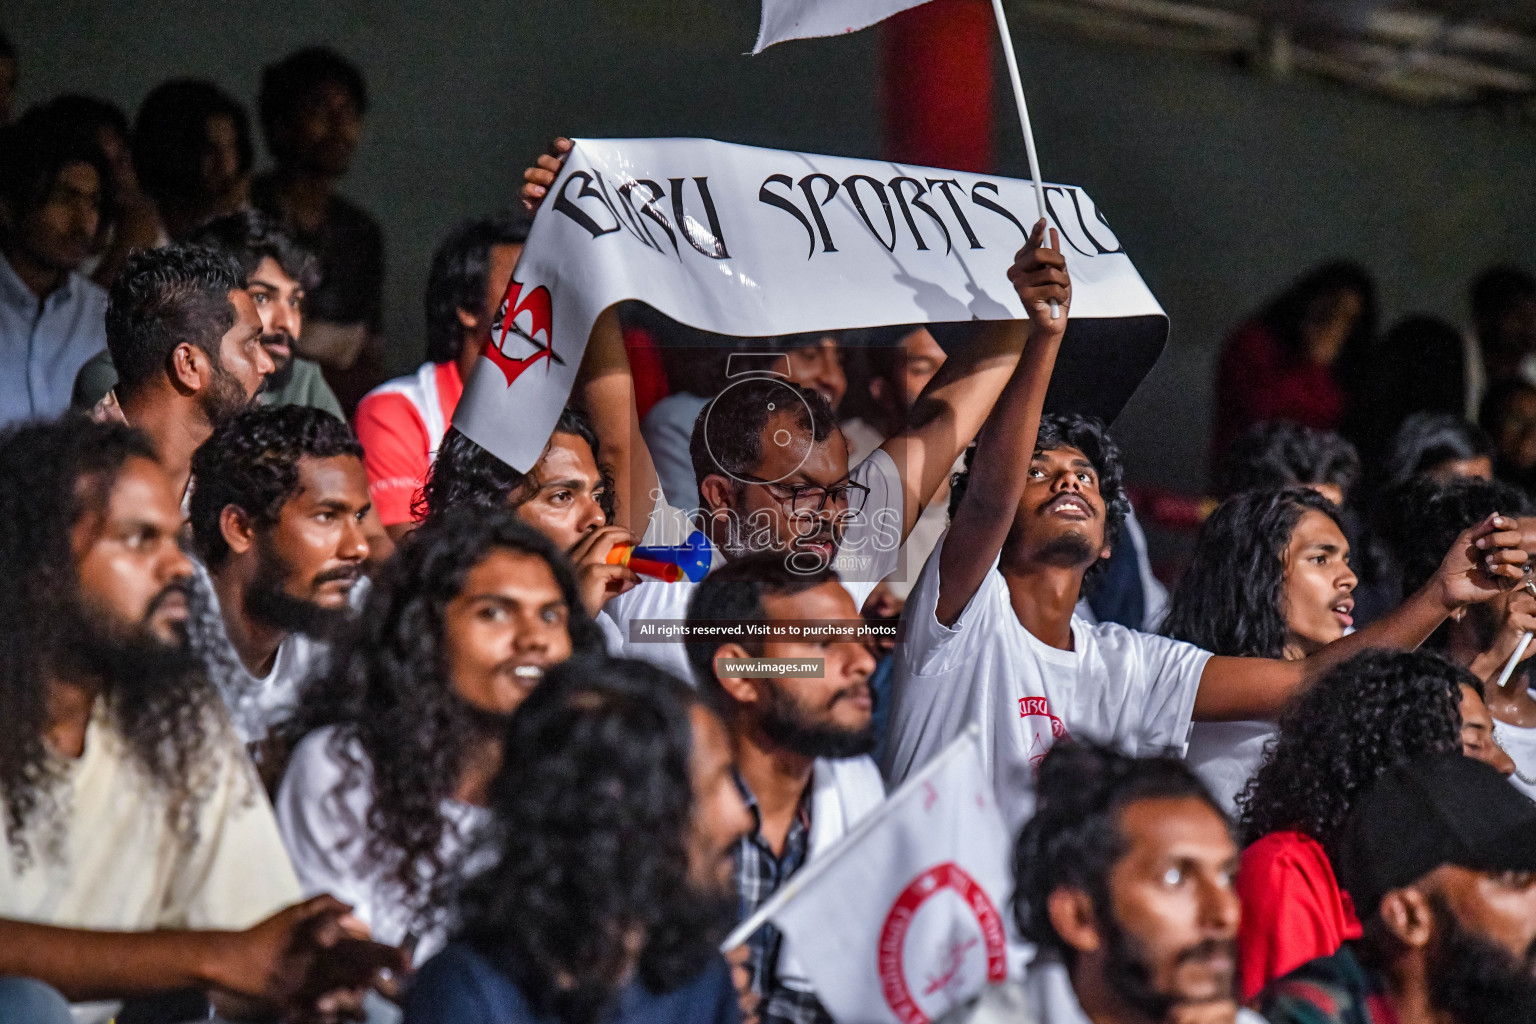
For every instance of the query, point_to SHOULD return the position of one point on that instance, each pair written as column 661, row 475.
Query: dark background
column 1222, row 184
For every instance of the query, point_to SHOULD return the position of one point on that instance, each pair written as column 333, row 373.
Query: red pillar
column 936, row 84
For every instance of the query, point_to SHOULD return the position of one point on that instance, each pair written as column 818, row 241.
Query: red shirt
column 1258, row 379
column 400, row 424
column 1293, row 909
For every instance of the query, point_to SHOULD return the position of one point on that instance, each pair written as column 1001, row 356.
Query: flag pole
column 813, row 870
column 1029, row 133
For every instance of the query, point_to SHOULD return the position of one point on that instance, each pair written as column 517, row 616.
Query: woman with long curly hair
column 1270, row 578
column 1375, row 711
column 608, row 880
column 397, row 744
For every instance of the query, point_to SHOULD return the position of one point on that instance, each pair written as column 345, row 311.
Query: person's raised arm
column 605, row 385
column 1001, row 465
column 605, row 388
column 1485, row 561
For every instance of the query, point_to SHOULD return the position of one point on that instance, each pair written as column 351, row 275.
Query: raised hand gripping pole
column 1029, row 133
column 1525, row 641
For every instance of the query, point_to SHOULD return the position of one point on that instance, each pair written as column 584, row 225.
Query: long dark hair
column 592, row 810
column 1229, row 599
column 52, row 476
column 389, row 693
column 1376, row 710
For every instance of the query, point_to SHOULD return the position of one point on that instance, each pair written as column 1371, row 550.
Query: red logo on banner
column 948, row 876
column 537, row 306
column 1036, row 712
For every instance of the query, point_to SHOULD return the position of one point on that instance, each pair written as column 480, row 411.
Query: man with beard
column 140, row 857
column 802, row 741
column 1440, row 860
column 52, row 192
column 278, row 519
column 1124, row 883
column 186, row 340
column 573, row 920
column 278, row 273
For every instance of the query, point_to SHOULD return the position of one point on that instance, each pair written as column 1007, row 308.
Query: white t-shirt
column 1519, row 742
column 256, row 704
column 1116, row 685
column 868, row 553
column 324, row 828
column 1227, row 754
column 121, row 865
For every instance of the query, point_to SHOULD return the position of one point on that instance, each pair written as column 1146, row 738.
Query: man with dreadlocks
column 140, row 855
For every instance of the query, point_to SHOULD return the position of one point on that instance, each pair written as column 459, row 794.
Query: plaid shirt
column 1335, row 989
column 758, row 876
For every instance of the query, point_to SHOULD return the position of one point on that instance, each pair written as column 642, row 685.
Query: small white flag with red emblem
column 903, row 920
column 807, row 19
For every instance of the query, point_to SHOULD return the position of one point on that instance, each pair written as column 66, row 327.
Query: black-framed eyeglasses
column 807, row 499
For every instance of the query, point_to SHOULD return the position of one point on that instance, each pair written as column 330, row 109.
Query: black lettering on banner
column 632, row 223
column 944, row 185
column 1078, row 210
column 810, row 195
column 787, row 205
column 995, row 207
column 918, row 201
column 851, row 183
column 649, row 209
column 564, row 204
column 716, row 239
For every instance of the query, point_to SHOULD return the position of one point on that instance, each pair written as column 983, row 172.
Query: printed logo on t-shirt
column 1045, row 727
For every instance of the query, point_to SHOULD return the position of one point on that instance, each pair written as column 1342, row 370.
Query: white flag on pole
column 806, row 19
column 904, row 919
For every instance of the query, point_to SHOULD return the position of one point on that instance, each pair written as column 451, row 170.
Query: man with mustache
column 185, row 338
column 52, row 192
column 278, row 519
column 139, row 855
column 1124, row 883
column 1440, row 860
column 801, row 741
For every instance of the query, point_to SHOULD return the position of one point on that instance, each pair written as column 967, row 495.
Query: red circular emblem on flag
column 949, row 962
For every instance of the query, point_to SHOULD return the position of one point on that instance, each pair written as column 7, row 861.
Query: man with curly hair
column 395, row 746
column 140, row 856
column 991, row 636
column 278, row 517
